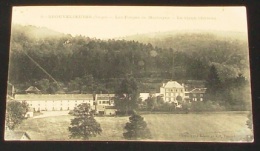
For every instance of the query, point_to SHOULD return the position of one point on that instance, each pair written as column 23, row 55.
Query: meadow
column 192, row 127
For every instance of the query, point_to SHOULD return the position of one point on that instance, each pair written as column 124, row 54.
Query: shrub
column 205, row 106
column 136, row 128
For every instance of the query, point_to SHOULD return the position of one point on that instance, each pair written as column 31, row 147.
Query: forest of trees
column 51, row 60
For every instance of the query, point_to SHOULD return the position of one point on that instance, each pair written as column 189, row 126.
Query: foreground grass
column 164, row 127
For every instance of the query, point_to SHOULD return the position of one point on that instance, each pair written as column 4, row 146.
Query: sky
column 117, row 21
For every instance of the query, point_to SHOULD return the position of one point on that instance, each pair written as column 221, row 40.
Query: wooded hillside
column 185, row 56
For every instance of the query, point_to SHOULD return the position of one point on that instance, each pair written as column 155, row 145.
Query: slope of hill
column 35, row 32
column 179, row 57
column 227, row 50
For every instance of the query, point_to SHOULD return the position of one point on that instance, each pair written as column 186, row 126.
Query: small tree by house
column 15, row 113
column 126, row 99
column 136, row 128
column 151, row 103
column 179, row 98
column 84, row 125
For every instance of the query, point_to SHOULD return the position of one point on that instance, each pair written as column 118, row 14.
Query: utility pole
column 173, row 75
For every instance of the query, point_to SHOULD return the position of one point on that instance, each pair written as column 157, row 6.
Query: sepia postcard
column 129, row 73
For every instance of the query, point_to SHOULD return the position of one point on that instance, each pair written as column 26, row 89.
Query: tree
column 84, row 125
column 127, row 95
column 136, row 128
column 88, row 83
column 15, row 113
column 151, row 103
column 43, row 85
column 213, row 85
column 179, row 98
column 237, row 93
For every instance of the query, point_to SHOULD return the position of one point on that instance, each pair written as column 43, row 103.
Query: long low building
column 55, row 102
column 101, row 103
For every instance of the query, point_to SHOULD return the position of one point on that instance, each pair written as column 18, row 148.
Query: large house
column 172, row 91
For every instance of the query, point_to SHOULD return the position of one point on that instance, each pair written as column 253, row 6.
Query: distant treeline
column 66, row 58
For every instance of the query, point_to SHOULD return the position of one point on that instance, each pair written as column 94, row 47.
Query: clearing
column 216, row 127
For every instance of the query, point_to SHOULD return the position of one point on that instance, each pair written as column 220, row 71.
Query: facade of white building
column 172, row 91
column 55, row 102
column 101, row 103
column 105, row 104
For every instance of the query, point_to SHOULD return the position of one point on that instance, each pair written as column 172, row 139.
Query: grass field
column 226, row 126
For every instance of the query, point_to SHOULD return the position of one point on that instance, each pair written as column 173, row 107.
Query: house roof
column 52, row 97
column 198, row 90
column 15, row 135
column 172, row 84
column 33, row 89
column 105, row 96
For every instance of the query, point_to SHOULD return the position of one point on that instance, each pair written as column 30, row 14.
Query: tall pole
column 172, row 66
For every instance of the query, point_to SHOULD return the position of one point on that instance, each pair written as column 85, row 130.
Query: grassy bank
column 225, row 126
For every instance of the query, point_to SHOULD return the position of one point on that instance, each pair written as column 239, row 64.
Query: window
column 201, row 95
column 194, row 95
